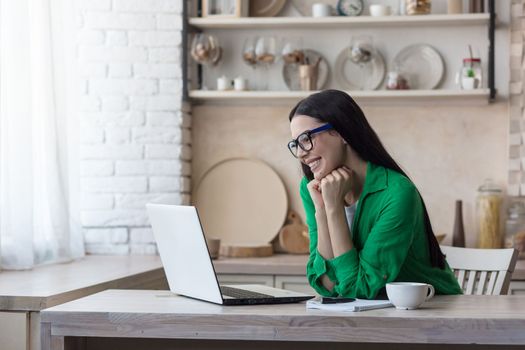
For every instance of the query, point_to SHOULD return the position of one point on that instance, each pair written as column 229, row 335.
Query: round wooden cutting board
column 265, row 8
column 241, row 202
column 294, row 239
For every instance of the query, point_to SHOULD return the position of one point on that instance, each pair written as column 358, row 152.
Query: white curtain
column 38, row 208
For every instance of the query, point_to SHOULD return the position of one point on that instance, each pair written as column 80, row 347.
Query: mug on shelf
column 321, row 10
column 223, row 83
column 379, row 10
column 239, row 84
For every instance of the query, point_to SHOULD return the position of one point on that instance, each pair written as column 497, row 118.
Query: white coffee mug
column 321, row 10
column 223, row 83
column 409, row 295
column 378, row 10
column 239, row 84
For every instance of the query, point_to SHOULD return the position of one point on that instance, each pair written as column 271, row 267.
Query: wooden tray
column 243, row 251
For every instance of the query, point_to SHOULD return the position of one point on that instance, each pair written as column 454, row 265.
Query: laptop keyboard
column 242, row 293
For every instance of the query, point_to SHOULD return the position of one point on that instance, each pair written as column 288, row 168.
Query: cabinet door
column 14, row 332
column 246, row 279
column 517, row 287
column 295, row 283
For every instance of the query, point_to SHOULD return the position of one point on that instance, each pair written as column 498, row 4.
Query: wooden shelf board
column 339, row 21
column 372, row 97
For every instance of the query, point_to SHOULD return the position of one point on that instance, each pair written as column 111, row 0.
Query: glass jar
column 515, row 228
column 392, row 82
column 488, row 213
column 470, row 75
column 418, row 7
column 396, row 81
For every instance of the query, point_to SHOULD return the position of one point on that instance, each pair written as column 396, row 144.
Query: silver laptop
column 188, row 266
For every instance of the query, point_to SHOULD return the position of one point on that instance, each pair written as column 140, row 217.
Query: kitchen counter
column 519, row 272
column 277, row 264
column 49, row 285
column 291, row 264
column 24, row 293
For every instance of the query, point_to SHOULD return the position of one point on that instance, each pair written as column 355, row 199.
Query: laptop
column 188, row 265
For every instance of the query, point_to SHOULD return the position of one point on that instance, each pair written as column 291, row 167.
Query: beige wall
column 446, row 150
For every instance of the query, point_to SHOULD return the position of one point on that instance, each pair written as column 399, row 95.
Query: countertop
column 290, row 264
column 277, row 264
column 45, row 286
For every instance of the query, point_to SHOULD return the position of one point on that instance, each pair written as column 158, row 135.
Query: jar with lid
column 418, row 7
column 488, row 214
column 515, row 228
column 470, row 75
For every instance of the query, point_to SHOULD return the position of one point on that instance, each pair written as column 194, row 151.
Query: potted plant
column 470, row 82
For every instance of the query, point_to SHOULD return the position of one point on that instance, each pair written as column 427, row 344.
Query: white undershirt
column 350, row 213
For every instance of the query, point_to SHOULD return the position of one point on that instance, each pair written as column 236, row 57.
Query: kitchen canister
column 418, row 7
column 515, row 227
column 470, row 76
column 488, row 215
column 454, row 7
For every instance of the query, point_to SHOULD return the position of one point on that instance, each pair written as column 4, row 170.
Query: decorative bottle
column 458, row 233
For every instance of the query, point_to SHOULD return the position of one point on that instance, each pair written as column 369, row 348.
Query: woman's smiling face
column 327, row 153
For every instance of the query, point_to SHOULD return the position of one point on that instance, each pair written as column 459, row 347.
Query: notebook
column 188, row 266
column 353, row 306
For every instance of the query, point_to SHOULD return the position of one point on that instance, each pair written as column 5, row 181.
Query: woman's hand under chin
column 335, row 186
column 314, row 187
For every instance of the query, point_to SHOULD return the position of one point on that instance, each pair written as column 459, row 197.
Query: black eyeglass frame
column 295, row 142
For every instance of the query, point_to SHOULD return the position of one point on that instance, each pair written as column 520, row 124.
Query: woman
column 367, row 221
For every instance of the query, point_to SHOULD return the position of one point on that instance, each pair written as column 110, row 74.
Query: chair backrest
column 482, row 271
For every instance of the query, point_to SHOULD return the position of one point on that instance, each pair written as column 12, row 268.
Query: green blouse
column 389, row 238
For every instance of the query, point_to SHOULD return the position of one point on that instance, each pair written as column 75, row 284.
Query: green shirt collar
column 375, row 180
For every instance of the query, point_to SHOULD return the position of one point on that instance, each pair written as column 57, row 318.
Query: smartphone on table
column 336, row 300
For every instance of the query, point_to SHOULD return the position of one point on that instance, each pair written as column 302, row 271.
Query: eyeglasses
column 304, row 140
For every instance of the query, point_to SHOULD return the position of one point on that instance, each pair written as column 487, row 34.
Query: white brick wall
column 136, row 138
column 516, row 183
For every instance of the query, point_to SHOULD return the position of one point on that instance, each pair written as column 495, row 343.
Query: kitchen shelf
column 339, row 21
column 378, row 97
column 342, row 22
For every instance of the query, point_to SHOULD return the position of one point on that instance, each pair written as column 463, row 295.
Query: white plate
column 421, row 65
column 359, row 76
column 291, row 71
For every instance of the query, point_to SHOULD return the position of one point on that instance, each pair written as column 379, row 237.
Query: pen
column 329, row 300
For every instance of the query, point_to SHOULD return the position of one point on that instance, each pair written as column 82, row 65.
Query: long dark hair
column 339, row 109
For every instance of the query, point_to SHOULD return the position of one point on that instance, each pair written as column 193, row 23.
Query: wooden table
column 24, row 293
column 159, row 319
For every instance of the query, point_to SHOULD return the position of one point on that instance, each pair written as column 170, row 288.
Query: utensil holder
column 308, row 74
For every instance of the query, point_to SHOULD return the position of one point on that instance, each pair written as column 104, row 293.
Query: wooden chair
column 482, row 271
